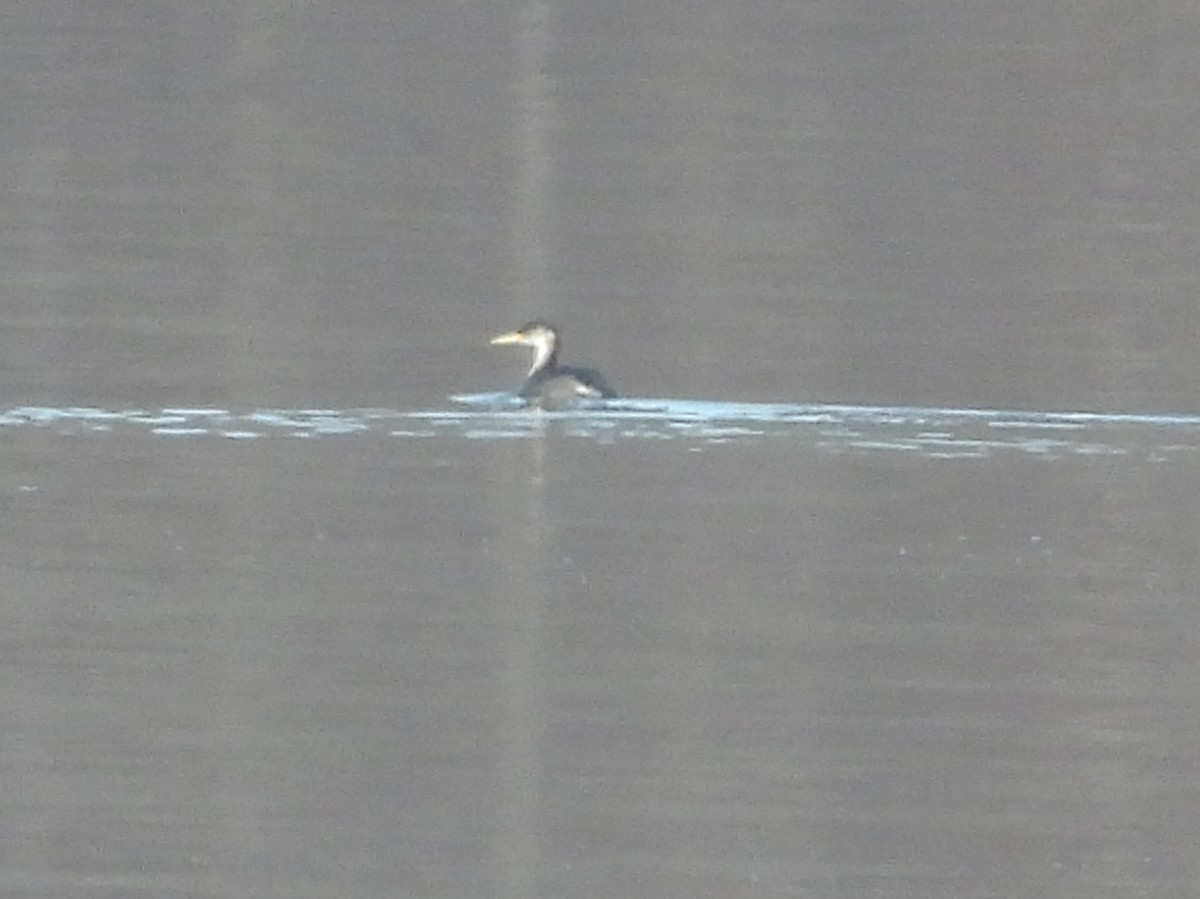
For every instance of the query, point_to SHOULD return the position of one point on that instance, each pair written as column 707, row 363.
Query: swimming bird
column 549, row 384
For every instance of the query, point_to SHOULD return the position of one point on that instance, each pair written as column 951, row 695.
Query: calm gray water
column 880, row 581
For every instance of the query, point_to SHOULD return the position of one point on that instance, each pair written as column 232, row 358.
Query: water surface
column 881, row 581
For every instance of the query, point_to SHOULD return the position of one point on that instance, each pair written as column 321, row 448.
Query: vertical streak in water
column 524, row 595
column 526, row 589
column 534, row 98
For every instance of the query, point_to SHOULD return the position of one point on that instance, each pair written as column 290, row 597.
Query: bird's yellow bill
column 508, row 338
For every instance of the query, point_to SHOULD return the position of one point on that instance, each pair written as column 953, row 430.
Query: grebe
column 549, row 384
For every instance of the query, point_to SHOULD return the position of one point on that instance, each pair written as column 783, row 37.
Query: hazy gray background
column 558, row 666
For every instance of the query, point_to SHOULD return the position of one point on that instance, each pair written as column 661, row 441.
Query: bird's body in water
column 548, row 384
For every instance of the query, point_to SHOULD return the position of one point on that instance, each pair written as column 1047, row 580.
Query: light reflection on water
column 840, row 428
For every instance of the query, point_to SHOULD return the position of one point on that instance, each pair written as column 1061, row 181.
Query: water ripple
column 940, row 433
